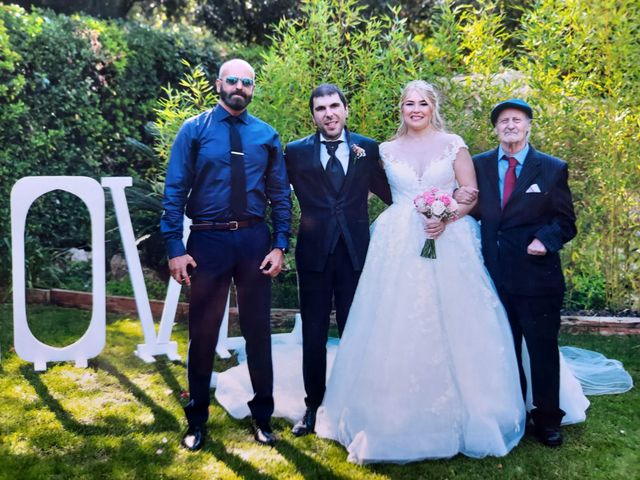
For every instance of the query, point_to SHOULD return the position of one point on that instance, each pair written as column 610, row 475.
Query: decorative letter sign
column 154, row 345
column 28, row 347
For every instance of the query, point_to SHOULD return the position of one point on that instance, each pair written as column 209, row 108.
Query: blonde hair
column 427, row 92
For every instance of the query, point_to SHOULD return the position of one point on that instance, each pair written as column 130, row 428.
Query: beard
column 235, row 100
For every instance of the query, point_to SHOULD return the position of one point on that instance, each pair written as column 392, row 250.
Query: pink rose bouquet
column 435, row 203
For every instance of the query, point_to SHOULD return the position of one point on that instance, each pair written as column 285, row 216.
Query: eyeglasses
column 231, row 80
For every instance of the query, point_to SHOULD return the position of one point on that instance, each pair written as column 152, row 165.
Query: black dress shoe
column 306, row 425
column 550, row 436
column 194, row 438
column 263, row 434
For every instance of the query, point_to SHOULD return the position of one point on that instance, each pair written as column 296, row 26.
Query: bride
column 426, row 366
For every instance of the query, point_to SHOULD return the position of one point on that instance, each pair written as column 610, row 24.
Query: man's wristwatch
column 284, row 249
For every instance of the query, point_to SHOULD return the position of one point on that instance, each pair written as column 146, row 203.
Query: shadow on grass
column 162, row 367
column 126, row 459
column 66, row 420
column 241, row 467
column 164, row 421
column 162, row 417
column 305, row 465
column 136, row 460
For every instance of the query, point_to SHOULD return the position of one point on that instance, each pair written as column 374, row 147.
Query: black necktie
column 238, row 177
column 334, row 167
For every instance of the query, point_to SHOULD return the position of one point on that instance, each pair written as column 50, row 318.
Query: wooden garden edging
column 286, row 316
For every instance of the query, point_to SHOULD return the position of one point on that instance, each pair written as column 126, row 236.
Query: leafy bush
column 156, row 290
column 577, row 65
column 72, row 90
column 284, row 291
column 575, row 61
column 333, row 42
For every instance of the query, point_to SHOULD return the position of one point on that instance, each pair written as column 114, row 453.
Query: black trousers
column 537, row 319
column 318, row 290
column 222, row 256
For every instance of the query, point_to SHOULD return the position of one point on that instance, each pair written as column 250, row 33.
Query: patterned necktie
column 334, row 167
column 509, row 180
column 238, row 176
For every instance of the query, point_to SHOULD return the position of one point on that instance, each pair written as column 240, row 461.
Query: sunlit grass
column 122, row 418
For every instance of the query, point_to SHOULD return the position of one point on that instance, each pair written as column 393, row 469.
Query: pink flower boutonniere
column 358, row 151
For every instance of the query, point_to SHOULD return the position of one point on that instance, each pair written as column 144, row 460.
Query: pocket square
column 533, row 189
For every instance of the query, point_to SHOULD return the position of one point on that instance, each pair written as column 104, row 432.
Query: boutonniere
column 358, row 151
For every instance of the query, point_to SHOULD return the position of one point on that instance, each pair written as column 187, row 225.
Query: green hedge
column 72, row 90
column 576, row 61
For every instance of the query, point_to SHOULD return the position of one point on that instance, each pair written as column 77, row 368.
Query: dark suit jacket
column 547, row 216
column 326, row 213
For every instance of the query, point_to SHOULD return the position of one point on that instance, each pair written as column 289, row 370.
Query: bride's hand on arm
column 465, row 175
column 465, row 194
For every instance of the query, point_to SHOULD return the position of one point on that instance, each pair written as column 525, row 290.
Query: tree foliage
column 109, row 9
column 369, row 58
column 575, row 61
column 582, row 58
column 72, row 90
column 334, row 42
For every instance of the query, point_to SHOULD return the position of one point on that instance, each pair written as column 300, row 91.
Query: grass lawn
column 122, row 418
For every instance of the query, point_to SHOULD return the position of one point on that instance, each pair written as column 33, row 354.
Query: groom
column 331, row 172
column 526, row 214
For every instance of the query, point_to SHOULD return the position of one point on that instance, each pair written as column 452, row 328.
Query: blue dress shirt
column 503, row 165
column 199, row 176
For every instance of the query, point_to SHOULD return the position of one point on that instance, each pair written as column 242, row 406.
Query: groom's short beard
column 237, row 103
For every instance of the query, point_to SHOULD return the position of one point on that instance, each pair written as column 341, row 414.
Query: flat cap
column 511, row 103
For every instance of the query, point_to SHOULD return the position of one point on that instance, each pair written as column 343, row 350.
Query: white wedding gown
column 426, row 366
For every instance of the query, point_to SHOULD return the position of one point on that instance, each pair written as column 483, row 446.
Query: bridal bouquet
column 435, row 203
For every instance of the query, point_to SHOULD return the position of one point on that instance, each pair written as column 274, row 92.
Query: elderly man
column 526, row 214
column 225, row 166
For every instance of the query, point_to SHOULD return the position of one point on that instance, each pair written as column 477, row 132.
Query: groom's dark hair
column 324, row 90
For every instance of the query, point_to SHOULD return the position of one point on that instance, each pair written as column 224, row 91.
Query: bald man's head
column 235, row 85
column 233, row 64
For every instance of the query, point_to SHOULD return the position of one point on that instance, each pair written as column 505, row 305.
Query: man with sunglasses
column 225, row 166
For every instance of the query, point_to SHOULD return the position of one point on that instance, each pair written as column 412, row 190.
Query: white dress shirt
column 342, row 153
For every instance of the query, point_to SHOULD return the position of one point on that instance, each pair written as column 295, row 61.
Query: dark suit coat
column 326, row 213
column 547, row 216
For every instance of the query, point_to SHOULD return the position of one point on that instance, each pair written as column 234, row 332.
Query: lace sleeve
column 385, row 153
column 455, row 145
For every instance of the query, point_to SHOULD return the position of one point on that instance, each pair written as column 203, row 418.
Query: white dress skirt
column 426, row 366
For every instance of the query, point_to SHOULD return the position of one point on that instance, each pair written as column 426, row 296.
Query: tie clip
column 236, row 153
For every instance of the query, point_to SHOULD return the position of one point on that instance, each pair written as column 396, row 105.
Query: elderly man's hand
column 536, row 247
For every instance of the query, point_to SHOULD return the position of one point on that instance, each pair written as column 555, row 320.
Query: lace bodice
column 406, row 183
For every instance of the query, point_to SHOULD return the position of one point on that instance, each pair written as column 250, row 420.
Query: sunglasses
column 231, row 80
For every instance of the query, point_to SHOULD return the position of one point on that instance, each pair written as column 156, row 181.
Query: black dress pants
column 537, row 319
column 222, row 256
column 337, row 282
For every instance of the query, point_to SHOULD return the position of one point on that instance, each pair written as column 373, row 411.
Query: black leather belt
column 231, row 225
